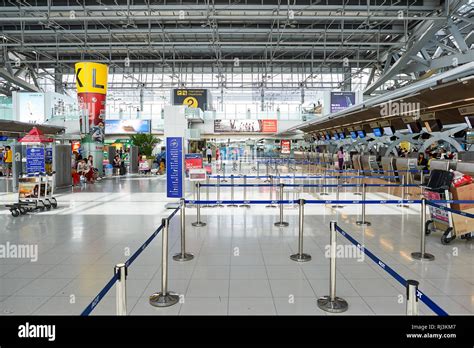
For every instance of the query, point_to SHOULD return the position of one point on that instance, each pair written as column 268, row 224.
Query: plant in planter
column 145, row 143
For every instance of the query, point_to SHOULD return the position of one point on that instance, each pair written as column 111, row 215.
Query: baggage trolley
column 440, row 220
column 28, row 195
column 47, row 190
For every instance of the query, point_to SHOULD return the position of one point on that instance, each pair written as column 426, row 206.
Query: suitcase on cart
column 439, row 180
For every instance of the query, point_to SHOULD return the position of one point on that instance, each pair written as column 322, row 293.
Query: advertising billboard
column 31, row 107
column 342, row 100
column 127, row 126
column 193, row 98
column 245, row 126
column 286, row 146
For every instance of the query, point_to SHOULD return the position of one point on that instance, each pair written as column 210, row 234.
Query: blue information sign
column 174, row 167
column 35, row 158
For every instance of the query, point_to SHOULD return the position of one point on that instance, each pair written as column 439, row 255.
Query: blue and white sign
column 174, row 167
column 35, row 158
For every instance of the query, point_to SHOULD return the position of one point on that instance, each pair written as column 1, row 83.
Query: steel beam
column 17, row 81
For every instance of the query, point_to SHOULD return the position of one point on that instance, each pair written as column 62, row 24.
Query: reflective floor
column 241, row 263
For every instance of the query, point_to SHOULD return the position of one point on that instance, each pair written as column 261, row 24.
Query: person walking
column 340, row 158
column 209, row 154
column 8, row 160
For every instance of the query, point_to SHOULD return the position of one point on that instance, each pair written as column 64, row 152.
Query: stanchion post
column 183, row 255
column 364, row 198
column 207, row 192
column 245, row 204
column 198, row 222
column 223, row 173
column 281, row 223
column 422, row 255
column 332, row 303
column 121, row 294
column 267, row 179
column 218, row 194
column 232, row 192
column 300, row 256
column 325, row 192
column 402, row 204
column 258, row 169
column 271, row 205
column 164, row 298
column 338, row 186
column 358, row 183
column 412, row 299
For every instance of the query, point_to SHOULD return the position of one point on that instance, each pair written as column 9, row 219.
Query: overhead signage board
column 193, row 98
column 127, row 126
column 341, row 100
column 174, row 167
column 245, row 126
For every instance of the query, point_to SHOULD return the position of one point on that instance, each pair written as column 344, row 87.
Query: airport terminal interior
column 222, row 157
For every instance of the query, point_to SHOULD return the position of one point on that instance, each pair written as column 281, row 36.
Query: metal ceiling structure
column 397, row 41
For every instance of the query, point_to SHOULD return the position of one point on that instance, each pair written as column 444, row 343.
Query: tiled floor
column 241, row 263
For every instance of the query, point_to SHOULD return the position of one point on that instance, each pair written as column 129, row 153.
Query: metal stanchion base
column 232, row 205
column 244, row 206
column 337, row 206
column 219, row 205
column 160, row 300
column 281, row 224
column 324, row 194
column 339, row 305
column 358, row 193
column 366, row 223
column 403, row 206
column 419, row 256
column 300, row 257
column 198, row 224
column 270, row 206
column 181, row 257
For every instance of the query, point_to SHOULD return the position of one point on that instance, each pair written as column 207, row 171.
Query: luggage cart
column 441, row 220
column 47, row 190
column 28, row 195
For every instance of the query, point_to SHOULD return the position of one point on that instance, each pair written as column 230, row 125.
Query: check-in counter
column 356, row 162
column 364, row 161
column 442, row 164
column 405, row 164
column 388, row 165
column 465, row 168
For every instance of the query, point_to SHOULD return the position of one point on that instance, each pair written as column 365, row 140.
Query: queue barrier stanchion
column 198, row 222
column 223, row 173
column 338, row 186
column 300, row 256
column 422, row 254
column 121, row 288
column 271, row 205
column 267, row 172
column 281, row 223
column 325, row 192
column 332, row 303
column 218, row 194
column 183, row 255
column 164, row 298
column 245, row 204
column 412, row 298
column 207, row 192
column 258, row 170
column 232, row 192
column 359, row 183
column 363, row 221
column 402, row 204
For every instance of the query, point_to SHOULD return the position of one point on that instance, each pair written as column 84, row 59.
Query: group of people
column 6, row 156
column 83, row 168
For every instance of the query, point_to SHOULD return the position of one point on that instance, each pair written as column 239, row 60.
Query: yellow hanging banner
column 91, row 77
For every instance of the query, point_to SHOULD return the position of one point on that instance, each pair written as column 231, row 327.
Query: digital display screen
column 353, row 135
column 336, row 137
column 328, row 137
column 388, row 130
column 470, row 136
column 342, row 135
column 377, row 132
column 361, row 133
